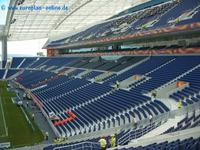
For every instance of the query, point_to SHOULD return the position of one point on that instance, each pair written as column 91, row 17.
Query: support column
column 4, row 51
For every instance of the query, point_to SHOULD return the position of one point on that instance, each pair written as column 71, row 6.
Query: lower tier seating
column 122, row 138
column 101, row 106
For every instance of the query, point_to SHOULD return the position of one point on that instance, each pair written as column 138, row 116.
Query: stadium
column 117, row 75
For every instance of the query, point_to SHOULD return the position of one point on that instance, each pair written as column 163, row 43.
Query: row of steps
column 170, row 137
column 170, row 123
column 84, row 73
column 100, row 78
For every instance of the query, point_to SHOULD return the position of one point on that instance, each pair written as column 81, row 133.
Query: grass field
column 19, row 131
column 3, row 129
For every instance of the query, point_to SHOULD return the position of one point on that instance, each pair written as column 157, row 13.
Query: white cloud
column 29, row 47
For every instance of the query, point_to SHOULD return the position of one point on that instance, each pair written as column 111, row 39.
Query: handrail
column 82, row 147
column 163, row 117
column 160, row 118
column 128, row 136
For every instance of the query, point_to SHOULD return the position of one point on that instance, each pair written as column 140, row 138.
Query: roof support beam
column 70, row 13
column 4, row 50
column 9, row 17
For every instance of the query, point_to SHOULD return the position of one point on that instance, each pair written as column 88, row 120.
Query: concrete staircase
column 168, row 89
column 170, row 123
column 131, row 80
column 103, row 76
column 84, row 73
column 181, row 135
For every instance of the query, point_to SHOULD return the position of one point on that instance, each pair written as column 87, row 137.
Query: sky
column 26, row 48
column 3, row 4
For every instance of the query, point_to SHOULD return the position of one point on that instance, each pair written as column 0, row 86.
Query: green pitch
column 2, row 121
column 3, row 127
column 13, row 125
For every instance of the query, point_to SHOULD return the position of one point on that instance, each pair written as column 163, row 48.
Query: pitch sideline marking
column 3, row 118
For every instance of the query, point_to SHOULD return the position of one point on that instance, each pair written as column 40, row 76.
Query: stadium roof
column 1, row 30
column 48, row 18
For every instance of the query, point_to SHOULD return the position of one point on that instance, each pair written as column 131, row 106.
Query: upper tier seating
column 140, row 7
column 171, row 13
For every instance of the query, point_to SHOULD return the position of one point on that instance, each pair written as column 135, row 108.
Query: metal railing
column 80, row 146
column 137, row 132
column 159, row 119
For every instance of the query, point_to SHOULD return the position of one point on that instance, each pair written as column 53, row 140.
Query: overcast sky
column 30, row 47
column 25, row 48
